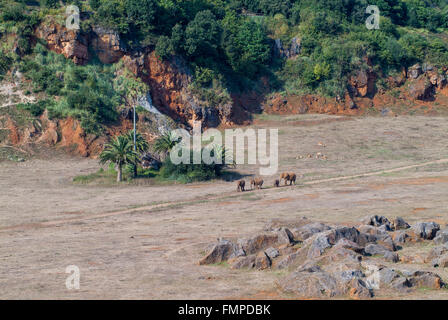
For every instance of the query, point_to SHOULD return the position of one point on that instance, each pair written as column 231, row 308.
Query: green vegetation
column 87, row 93
column 119, row 152
column 165, row 143
column 187, row 172
column 191, row 172
column 228, row 45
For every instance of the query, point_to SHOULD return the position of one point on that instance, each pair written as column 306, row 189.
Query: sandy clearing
column 143, row 242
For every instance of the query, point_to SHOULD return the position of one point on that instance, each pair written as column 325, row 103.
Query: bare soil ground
column 143, row 242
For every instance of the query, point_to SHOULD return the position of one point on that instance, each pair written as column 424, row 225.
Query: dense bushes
column 35, row 109
column 228, row 45
column 246, row 47
column 190, row 172
column 5, row 64
column 87, row 93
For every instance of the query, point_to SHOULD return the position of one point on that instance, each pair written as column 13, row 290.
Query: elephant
column 257, row 183
column 288, row 176
column 240, row 185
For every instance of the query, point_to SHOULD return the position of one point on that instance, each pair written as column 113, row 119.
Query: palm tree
column 165, row 143
column 120, row 152
column 141, row 146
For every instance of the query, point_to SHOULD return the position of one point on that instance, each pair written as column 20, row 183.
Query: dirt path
column 375, row 173
column 143, row 242
column 58, row 222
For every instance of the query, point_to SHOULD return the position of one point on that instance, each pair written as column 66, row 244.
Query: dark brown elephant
column 240, row 185
column 292, row 178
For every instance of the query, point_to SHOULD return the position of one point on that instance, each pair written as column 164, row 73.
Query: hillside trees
column 246, row 47
column 202, row 35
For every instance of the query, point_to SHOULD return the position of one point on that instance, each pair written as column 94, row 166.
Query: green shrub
column 36, row 109
column 5, row 64
column 12, row 11
column 190, row 172
column 164, row 48
column 86, row 92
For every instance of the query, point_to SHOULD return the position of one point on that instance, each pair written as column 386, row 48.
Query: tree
column 272, row 7
column 202, row 35
column 5, row 64
column 165, row 143
column 141, row 146
column 130, row 89
column 119, row 152
column 50, row 3
column 141, row 13
column 177, row 38
column 95, row 4
column 164, row 48
column 246, row 48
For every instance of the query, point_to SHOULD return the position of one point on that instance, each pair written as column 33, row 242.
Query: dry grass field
column 144, row 241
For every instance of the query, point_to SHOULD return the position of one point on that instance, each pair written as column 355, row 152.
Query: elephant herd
column 257, row 183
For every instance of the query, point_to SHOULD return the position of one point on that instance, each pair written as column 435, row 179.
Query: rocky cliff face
column 67, row 134
column 288, row 51
column 107, row 45
column 71, row 43
column 413, row 88
column 170, row 82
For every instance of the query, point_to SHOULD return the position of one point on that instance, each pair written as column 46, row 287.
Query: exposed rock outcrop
column 64, row 133
column 107, row 45
column 422, row 89
column 169, row 82
column 362, row 83
column 289, row 51
column 73, row 44
column 335, row 261
column 426, row 230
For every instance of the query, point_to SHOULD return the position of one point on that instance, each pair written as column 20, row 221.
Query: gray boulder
column 441, row 236
column 259, row 242
column 391, row 257
column 378, row 221
column 247, row 262
column 347, row 244
column 425, row 279
column 401, row 237
column 321, row 241
column 415, row 71
column 375, row 249
column 220, row 252
column 440, row 262
column 311, row 281
column 398, row 224
column 272, row 252
column 307, row 231
column 318, row 246
column 312, row 284
column 262, row 261
column 438, row 251
column 289, row 260
column 285, row 236
column 426, row 230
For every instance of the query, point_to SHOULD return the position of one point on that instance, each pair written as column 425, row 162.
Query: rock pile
column 330, row 260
